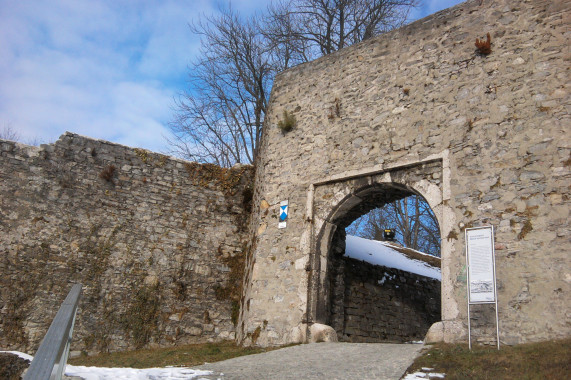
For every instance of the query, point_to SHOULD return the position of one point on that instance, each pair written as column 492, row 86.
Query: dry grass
column 190, row 355
column 547, row 360
column 484, row 47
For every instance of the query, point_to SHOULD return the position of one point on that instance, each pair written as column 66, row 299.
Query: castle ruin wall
column 157, row 243
column 497, row 124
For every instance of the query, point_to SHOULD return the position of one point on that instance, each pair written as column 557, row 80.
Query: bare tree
column 325, row 26
column 371, row 225
column 8, row 133
column 219, row 118
column 281, row 31
column 414, row 222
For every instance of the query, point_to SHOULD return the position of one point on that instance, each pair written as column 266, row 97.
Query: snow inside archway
column 391, row 256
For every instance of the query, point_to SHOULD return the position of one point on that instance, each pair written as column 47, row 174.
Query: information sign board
column 481, row 273
column 480, row 258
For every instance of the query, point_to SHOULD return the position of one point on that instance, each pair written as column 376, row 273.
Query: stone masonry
column 157, row 243
column 385, row 304
column 493, row 128
column 373, row 303
column 163, row 245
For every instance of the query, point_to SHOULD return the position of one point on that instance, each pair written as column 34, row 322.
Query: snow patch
column 100, row 373
column 380, row 253
column 20, row 354
column 422, row 375
column 167, row 373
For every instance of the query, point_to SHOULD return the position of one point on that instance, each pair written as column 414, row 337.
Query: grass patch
column 187, row 356
column 546, row 360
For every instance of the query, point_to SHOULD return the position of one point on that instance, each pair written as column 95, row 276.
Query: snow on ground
column 100, row 373
column 20, row 354
column 381, row 253
column 424, row 373
column 424, row 376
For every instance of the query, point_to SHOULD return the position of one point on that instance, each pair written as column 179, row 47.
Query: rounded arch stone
column 339, row 203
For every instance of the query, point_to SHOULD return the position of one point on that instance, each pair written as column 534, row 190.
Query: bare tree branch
column 414, row 222
column 219, row 118
column 9, row 133
column 329, row 25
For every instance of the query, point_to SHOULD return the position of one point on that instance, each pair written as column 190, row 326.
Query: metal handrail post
column 51, row 357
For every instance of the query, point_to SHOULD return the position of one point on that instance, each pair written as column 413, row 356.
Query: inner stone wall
column 157, row 243
column 386, row 304
column 373, row 303
column 499, row 125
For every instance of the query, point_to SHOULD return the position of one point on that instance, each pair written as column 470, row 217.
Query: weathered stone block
column 322, row 333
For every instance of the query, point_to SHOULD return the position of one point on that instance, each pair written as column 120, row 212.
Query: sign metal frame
column 481, row 272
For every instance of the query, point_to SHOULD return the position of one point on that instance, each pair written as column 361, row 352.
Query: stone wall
column 372, row 303
column 497, row 125
column 386, row 304
column 157, row 243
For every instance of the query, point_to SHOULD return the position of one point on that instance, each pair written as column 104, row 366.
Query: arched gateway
column 336, row 286
column 483, row 138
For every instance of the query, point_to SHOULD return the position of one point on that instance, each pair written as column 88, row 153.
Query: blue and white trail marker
column 283, row 214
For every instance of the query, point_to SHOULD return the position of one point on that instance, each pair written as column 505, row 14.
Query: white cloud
column 169, row 46
column 107, row 69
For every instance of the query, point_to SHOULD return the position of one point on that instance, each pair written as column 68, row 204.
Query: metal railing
column 51, row 358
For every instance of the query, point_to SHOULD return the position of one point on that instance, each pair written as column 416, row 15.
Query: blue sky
column 107, row 69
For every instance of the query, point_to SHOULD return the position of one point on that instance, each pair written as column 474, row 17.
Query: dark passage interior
column 372, row 303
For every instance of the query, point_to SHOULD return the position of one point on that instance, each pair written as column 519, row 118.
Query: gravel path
column 321, row 361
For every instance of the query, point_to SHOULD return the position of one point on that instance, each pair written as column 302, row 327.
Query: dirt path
column 321, row 361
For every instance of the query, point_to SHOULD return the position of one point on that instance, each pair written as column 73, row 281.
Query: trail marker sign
column 283, row 214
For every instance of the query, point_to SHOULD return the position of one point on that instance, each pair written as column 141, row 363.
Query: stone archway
column 337, row 203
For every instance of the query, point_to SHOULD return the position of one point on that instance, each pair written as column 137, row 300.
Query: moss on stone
column 142, row 317
column 527, row 228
